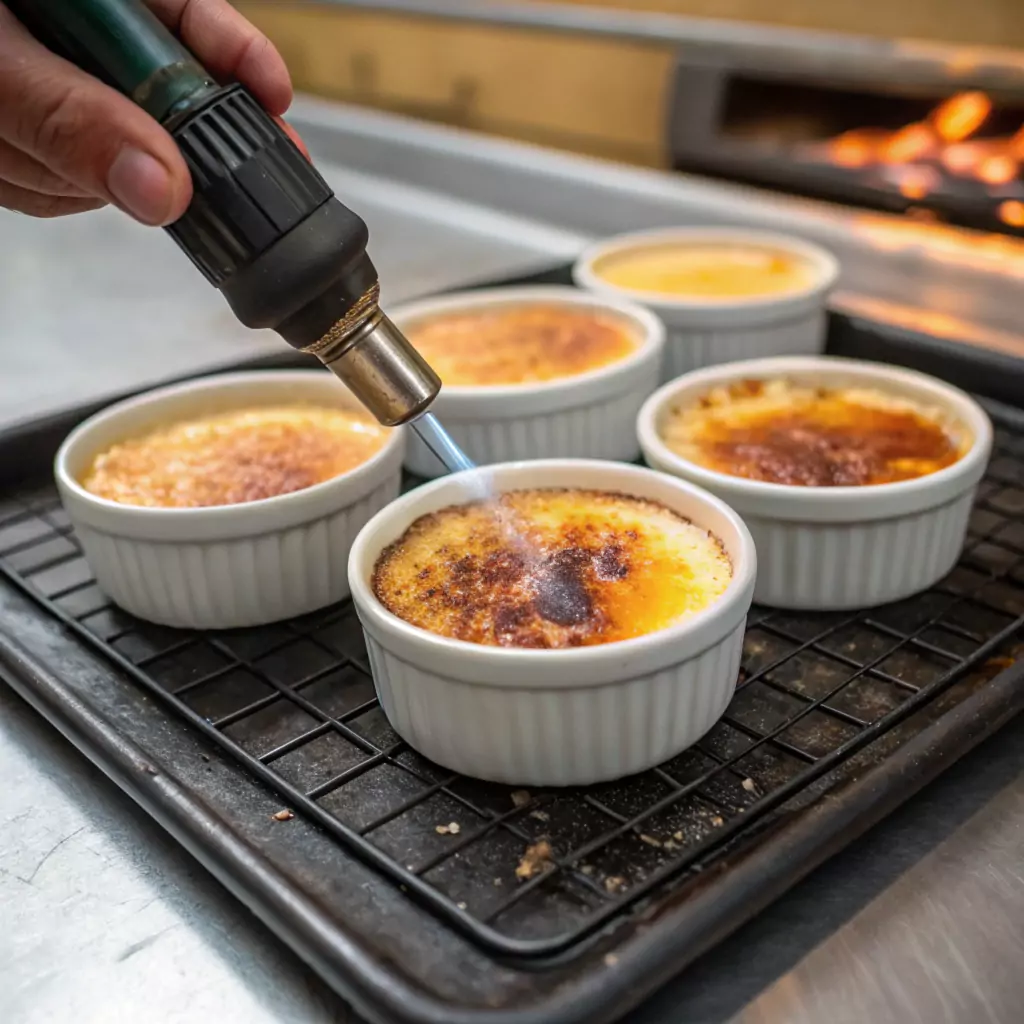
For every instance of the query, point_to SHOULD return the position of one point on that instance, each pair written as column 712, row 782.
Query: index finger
column 230, row 47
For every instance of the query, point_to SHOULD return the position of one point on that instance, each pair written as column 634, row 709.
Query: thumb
column 87, row 133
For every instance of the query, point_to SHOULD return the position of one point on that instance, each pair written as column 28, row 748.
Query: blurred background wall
column 588, row 95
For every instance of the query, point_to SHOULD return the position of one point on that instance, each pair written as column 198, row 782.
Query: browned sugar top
column 781, row 433
column 551, row 568
column 234, row 457
column 520, row 344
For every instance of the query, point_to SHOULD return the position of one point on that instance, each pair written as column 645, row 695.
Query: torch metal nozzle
column 383, row 370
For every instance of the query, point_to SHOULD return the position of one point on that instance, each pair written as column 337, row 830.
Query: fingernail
column 141, row 185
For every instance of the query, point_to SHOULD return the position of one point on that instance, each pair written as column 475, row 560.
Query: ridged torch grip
column 251, row 184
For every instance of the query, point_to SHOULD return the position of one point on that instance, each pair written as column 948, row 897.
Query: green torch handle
column 125, row 45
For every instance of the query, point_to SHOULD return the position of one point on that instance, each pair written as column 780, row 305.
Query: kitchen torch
column 263, row 226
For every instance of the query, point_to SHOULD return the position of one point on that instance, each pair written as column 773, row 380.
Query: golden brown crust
column 812, row 437
column 236, row 457
column 551, row 568
column 520, row 344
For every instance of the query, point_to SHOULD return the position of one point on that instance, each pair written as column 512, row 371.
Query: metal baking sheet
column 838, row 719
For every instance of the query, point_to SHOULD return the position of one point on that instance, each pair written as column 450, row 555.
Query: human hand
column 69, row 143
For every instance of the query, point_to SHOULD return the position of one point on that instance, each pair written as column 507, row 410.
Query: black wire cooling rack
column 295, row 705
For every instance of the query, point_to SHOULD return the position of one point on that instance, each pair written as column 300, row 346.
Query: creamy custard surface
column 520, row 344
column 706, row 270
column 781, row 432
column 551, row 568
column 235, row 457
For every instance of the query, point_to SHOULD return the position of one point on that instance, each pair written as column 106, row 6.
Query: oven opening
column 958, row 155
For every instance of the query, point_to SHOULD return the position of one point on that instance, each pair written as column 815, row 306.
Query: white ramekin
column 833, row 548
column 705, row 331
column 564, row 717
column 590, row 415
column 231, row 565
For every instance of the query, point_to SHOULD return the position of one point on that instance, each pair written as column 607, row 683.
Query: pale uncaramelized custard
column 520, row 344
column 551, row 568
column 785, row 433
column 709, row 270
column 235, row 457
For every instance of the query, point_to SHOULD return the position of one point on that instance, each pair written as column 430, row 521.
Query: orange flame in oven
column 999, row 169
column 916, row 182
column 856, row 148
column 914, row 157
column 1012, row 212
column 964, row 158
column 911, row 143
column 961, row 115
column 1017, row 144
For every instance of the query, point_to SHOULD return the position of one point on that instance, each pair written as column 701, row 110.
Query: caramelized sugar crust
column 551, row 568
column 705, row 270
column 520, row 344
column 235, row 457
column 783, row 433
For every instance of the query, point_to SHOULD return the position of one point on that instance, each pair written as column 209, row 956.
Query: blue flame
column 436, row 438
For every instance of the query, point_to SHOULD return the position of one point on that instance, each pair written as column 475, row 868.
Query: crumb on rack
column 651, row 841
column 749, row 785
column 521, row 797
column 614, row 883
column 461, row 905
column 610, row 959
column 540, row 815
column 587, row 869
column 284, row 815
column 535, row 860
column 677, row 836
column 717, row 821
column 453, row 828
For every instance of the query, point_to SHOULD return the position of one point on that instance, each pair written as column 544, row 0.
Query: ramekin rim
column 650, row 327
column 825, row 265
column 972, row 414
column 217, row 513
column 741, row 583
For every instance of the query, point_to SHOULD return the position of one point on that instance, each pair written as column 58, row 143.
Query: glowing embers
column 948, row 142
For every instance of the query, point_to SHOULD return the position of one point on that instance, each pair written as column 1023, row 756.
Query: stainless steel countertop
column 93, row 306
column 104, row 919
